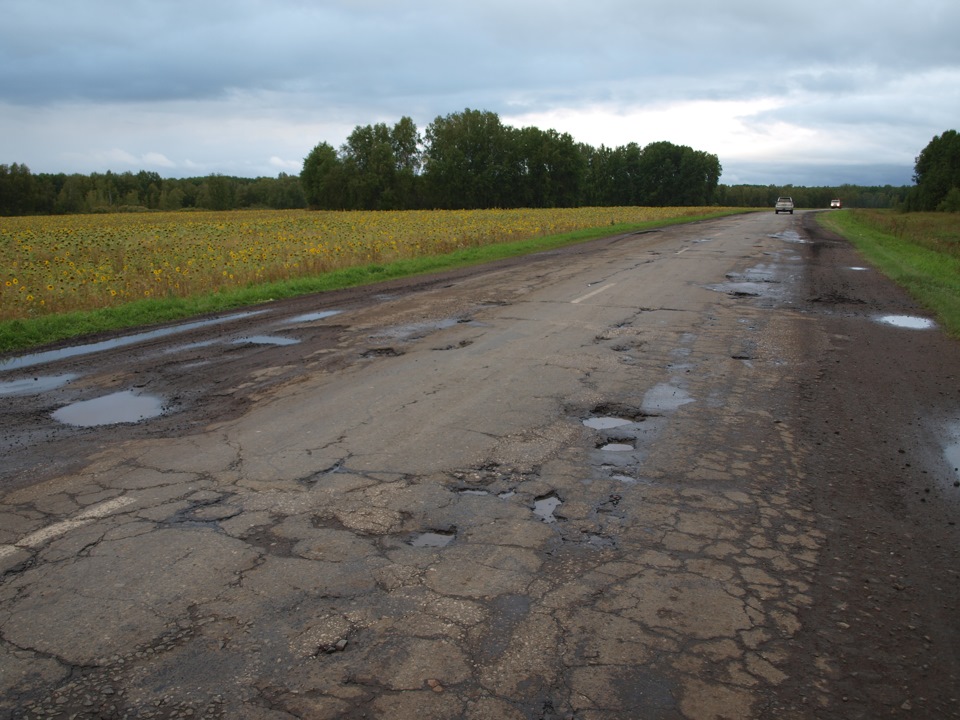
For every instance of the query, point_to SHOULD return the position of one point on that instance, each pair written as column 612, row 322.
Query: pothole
column 113, row 409
column 606, row 422
column 433, row 539
column 546, row 506
column 616, row 447
column 665, row 398
column 381, row 352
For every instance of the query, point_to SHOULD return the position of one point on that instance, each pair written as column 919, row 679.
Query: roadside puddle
column 36, row 385
column 952, row 452
column 311, row 317
column 90, row 348
column 113, row 409
column 433, row 539
column 908, row 322
column 265, row 340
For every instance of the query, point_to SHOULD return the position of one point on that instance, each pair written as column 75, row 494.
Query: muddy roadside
column 879, row 418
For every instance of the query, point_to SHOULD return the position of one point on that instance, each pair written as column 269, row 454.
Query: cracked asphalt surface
column 681, row 474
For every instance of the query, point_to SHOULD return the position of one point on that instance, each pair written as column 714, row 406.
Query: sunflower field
column 55, row 264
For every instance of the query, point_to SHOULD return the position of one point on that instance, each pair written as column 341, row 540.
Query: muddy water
column 90, row 348
column 908, row 322
column 35, row 385
column 119, row 407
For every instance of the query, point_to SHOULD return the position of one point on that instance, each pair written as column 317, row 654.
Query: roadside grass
column 22, row 333
column 918, row 251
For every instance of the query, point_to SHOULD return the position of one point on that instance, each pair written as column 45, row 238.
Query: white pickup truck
column 784, row 204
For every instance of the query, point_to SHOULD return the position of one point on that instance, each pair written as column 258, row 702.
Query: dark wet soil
column 884, row 626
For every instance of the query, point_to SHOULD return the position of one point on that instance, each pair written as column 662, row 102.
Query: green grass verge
column 21, row 334
column 931, row 277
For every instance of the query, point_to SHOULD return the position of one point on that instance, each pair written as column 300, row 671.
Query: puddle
column 617, row 447
column 119, row 407
column 952, row 451
column 605, row 423
column 31, row 386
column 63, row 353
column 665, row 398
column 910, row 322
column 311, row 317
column 433, row 539
column 791, row 236
column 857, row 268
column 506, row 495
column 545, row 507
column 265, row 340
column 761, row 274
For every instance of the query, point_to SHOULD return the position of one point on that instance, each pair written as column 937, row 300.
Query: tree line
column 25, row 193
column 471, row 159
column 937, row 175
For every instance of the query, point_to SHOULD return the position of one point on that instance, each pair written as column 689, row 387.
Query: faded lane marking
column 36, row 539
column 591, row 294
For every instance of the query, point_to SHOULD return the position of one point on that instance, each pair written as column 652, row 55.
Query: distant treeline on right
column 936, row 174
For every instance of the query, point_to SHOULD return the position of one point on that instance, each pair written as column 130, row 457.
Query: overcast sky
column 808, row 92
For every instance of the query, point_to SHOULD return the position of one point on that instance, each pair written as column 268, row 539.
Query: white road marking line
column 39, row 537
column 591, row 294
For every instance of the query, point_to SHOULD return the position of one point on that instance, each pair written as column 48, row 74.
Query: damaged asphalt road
column 683, row 474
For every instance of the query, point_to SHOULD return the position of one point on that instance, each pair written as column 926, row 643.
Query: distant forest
column 468, row 159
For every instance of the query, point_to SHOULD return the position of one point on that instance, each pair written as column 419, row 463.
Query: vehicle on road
column 784, row 204
column 835, row 204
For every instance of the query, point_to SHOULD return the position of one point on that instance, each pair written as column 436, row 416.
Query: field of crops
column 57, row 264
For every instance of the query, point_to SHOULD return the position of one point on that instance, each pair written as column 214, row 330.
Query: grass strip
column 33, row 332
column 931, row 277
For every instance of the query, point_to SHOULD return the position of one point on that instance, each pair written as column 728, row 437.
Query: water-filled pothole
column 909, row 322
column 616, row 447
column 791, row 236
column 31, row 386
column 433, row 539
column 665, row 398
column 605, row 423
column 545, row 507
column 113, row 409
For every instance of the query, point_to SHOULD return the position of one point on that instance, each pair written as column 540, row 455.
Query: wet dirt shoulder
column 883, row 632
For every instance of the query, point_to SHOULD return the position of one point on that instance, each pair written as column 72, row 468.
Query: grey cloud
column 345, row 62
